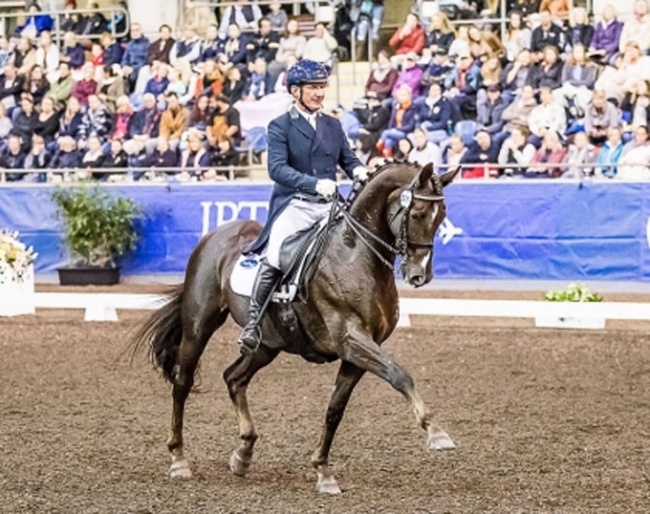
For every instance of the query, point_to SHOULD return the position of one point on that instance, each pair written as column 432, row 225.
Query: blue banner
column 517, row 230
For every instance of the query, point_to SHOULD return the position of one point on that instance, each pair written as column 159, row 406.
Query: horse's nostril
column 417, row 280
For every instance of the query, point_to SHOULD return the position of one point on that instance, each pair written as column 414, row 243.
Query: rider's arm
column 348, row 161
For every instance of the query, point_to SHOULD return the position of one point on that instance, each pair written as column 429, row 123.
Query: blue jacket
column 298, row 157
column 41, row 22
column 135, row 55
column 77, row 55
column 113, row 54
column 437, row 116
column 408, row 120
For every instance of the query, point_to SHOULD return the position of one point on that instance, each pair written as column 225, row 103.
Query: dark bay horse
column 350, row 309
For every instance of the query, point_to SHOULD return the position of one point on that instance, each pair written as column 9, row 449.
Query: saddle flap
column 295, row 247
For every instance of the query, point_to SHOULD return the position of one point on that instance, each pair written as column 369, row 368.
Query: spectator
column 410, row 75
column 97, row 57
column 551, row 153
column 580, row 158
column 548, row 72
column 96, row 121
column 547, row 34
column 490, row 72
column 173, row 121
column 61, row 89
column 462, row 84
column 72, row 53
column 291, row 44
column 278, row 17
column 86, row 86
column 557, row 8
column 437, row 70
column 245, row 14
column 37, row 159
column 135, row 55
column 35, row 23
column 607, row 35
column 490, row 113
column 13, row 158
column 24, row 56
column 636, row 29
column 158, row 83
column 633, row 164
column 195, row 159
column 233, row 86
column 71, row 21
column 580, row 32
column 628, row 69
column 600, row 117
column 434, row 115
column 36, row 84
column 259, row 83
column 11, row 87
column 6, row 52
column 320, row 47
column 94, row 156
column 479, row 156
column 188, row 47
column 484, row 44
column 455, row 152
column 47, row 122
column 122, row 123
column 95, row 23
column 403, row 150
column 375, row 120
column 517, row 37
column 110, row 89
column 519, row 111
column 145, row 123
column 408, row 38
column 68, row 157
column 224, row 157
column 224, row 122
column 234, row 48
column 547, row 117
column 210, row 80
column 610, row 154
column 578, row 79
column 47, row 56
column 116, row 157
column 635, row 104
column 441, row 35
column 516, row 153
column 70, row 121
column 264, row 43
column 211, row 44
column 200, row 115
column 402, row 121
column 137, row 157
column 113, row 51
column 460, row 45
column 176, row 83
column 26, row 120
column 160, row 49
column 383, row 77
column 365, row 149
column 371, row 12
column 6, row 125
column 199, row 14
column 518, row 74
column 424, row 151
column 163, row 156
column 119, row 22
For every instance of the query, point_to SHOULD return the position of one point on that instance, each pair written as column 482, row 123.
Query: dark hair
column 164, row 26
column 109, row 69
column 171, row 94
column 259, row 22
column 286, row 29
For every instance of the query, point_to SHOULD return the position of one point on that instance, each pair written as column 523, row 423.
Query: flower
column 15, row 256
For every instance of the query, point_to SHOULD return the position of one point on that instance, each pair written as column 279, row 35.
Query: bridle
column 402, row 242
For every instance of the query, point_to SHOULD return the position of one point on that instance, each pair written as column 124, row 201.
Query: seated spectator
column 199, row 14
column 403, row 150
column 36, row 84
column 122, row 121
column 234, row 47
column 557, row 8
column 96, row 121
column 93, row 158
column 116, row 157
column 578, row 79
column 551, row 152
column 320, row 46
column 245, row 14
column 38, row 159
column 441, row 34
column 580, row 32
column 460, row 45
column 145, row 123
column 410, row 75
column 35, row 23
column 519, row 111
column 211, row 44
column 633, row 163
column 97, row 58
column 160, row 49
column 200, row 115
column 176, row 83
column 113, row 51
column 479, row 156
column 462, row 84
column 24, row 56
column 408, row 38
column 437, row 70
column 195, row 159
column 610, row 154
column 517, row 74
column 47, row 56
column 484, row 44
column 47, row 122
column 629, row 68
column 61, row 89
column 580, row 158
column 637, row 28
column 634, row 107
column 375, row 119
column 434, row 115
column 6, row 52
column 85, row 87
column 188, row 47
column 119, row 22
column 210, row 80
column 11, row 86
column 70, row 121
column 383, row 77
column 26, row 120
column 278, row 17
column 173, row 121
column 224, row 122
column 6, row 125
column 291, row 44
column 605, row 42
column 490, row 72
column 94, row 24
column 365, row 148
column 158, row 83
column 548, row 72
column 135, row 55
column 264, row 43
column 233, row 85
column 67, row 157
column 424, row 151
column 13, row 158
column 454, row 153
column 110, row 89
column 516, row 153
column 136, row 157
column 402, row 121
column 71, row 21
column 547, row 34
column 517, row 37
column 600, row 117
column 222, row 158
column 259, row 83
column 548, row 116
column 489, row 113
column 72, row 52
column 162, row 156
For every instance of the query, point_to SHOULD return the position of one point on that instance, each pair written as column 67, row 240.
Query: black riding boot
column 265, row 283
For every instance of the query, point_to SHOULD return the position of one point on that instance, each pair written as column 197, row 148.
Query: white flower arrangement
column 15, row 258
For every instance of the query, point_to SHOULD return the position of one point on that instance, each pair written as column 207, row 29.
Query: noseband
column 402, row 243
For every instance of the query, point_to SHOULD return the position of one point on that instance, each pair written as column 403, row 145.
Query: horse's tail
column 162, row 332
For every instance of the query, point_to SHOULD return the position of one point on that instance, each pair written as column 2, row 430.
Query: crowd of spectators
column 555, row 96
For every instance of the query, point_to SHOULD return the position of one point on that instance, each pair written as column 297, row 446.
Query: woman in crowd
column 47, row 124
column 234, row 84
column 403, row 150
column 552, row 152
column 116, row 157
column 548, row 72
column 402, row 122
column 47, row 56
column 635, row 103
column 94, row 157
column 633, row 164
column 441, row 34
column 123, row 115
column 224, row 156
column 36, row 84
column 110, row 89
column 38, row 158
column 518, row 112
column 70, row 121
column 580, row 31
column 292, row 43
column 87, row 86
column 26, row 120
column 460, row 45
column 383, row 77
column 195, row 159
column 163, row 156
column 578, row 79
column 607, row 35
column 200, row 115
column 517, row 37
column 210, row 80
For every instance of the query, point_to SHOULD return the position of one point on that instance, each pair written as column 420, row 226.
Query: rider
column 305, row 147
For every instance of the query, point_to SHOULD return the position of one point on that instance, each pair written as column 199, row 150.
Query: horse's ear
column 449, row 177
column 425, row 175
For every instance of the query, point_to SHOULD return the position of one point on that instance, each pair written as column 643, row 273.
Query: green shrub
column 574, row 293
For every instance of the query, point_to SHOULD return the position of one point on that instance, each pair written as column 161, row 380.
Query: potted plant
column 98, row 230
column 574, row 293
column 16, row 275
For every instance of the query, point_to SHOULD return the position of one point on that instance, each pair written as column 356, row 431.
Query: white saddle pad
column 244, row 273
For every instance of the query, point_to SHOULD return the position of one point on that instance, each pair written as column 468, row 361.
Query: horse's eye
column 417, row 216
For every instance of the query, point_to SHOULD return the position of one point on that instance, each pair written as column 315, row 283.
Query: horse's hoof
column 440, row 441
column 327, row 485
column 237, row 465
column 180, row 469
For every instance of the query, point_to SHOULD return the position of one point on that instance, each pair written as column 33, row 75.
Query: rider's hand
column 326, row 188
column 360, row 173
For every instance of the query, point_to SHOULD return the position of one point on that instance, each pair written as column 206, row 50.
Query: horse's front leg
column 237, row 378
column 360, row 350
column 348, row 377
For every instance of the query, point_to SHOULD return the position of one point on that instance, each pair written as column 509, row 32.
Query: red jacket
column 414, row 42
column 83, row 89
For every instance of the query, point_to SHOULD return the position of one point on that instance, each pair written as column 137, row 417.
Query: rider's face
column 313, row 96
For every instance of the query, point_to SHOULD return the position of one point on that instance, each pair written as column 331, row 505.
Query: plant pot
column 89, row 276
column 17, row 293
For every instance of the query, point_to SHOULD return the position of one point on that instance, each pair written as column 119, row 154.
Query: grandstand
column 515, row 89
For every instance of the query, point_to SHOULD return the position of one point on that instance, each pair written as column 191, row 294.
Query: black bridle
column 402, row 242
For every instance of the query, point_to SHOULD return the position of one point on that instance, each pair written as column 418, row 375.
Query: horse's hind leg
column 237, row 377
column 195, row 338
column 346, row 380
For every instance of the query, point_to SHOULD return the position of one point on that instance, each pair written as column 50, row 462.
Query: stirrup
column 248, row 345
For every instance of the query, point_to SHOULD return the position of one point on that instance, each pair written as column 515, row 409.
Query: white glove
column 360, row 173
column 326, row 188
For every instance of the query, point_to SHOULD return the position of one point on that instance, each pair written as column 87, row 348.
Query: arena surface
column 546, row 421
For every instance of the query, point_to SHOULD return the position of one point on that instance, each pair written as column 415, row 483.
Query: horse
column 350, row 308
